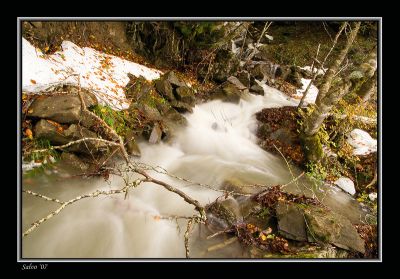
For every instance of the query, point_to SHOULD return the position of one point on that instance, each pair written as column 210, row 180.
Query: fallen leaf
column 33, row 81
column 28, row 133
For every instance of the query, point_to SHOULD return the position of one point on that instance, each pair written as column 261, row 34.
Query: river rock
column 164, row 87
column 223, row 213
column 294, row 77
column 181, row 106
column 244, row 78
column 74, row 161
column 316, row 224
column 156, row 133
column 76, row 132
column 60, row 108
column 235, row 81
column 330, row 227
column 185, row 94
column 173, row 79
column 56, row 136
column 131, row 146
column 148, row 112
column 257, row 89
column 47, row 130
column 291, row 223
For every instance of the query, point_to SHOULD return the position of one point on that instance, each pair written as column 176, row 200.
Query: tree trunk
column 328, row 97
column 330, row 74
column 367, row 88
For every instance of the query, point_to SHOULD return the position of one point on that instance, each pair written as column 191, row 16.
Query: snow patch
column 373, row 196
column 269, row 37
column 312, row 92
column 105, row 75
column 346, row 184
column 319, row 72
column 362, row 142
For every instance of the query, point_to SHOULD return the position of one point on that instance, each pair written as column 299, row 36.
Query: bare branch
column 72, row 143
column 65, row 204
column 42, row 196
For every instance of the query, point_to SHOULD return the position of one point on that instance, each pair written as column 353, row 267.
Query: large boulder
column 60, row 108
column 291, row 223
column 305, row 222
column 244, row 78
column 257, row 89
column 328, row 226
column 173, row 79
column 164, row 87
column 51, row 131
column 57, row 135
column 181, row 106
column 185, row 94
column 74, row 161
column 131, row 146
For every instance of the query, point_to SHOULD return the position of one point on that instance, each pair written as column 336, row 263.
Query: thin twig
column 42, row 196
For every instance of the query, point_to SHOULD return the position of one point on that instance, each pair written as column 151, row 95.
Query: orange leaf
column 28, row 133
column 33, row 81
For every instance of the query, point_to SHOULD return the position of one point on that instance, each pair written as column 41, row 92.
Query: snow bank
column 362, row 142
column 346, row 184
column 319, row 72
column 105, row 75
column 312, row 92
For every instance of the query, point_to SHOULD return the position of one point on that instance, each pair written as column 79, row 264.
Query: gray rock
column 49, row 131
column 257, row 89
column 46, row 130
column 244, row 78
column 235, row 81
column 186, row 95
column 173, row 79
column 76, row 132
column 330, row 227
column 291, row 223
column 156, row 133
column 181, row 106
column 131, row 146
column 150, row 113
column 60, row 108
column 316, row 224
column 74, row 161
column 165, row 88
column 294, row 76
column 223, row 213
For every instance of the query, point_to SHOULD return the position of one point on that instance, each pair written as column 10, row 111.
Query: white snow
column 312, row 92
column 346, row 184
column 373, row 196
column 105, row 75
column 269, row 37
column 319, row 72
column 362, row 142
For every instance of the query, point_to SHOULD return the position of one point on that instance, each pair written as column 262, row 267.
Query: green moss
column 118, row 120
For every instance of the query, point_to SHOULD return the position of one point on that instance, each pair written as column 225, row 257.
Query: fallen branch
column 72, row 143
column 172, row 189
column 42, row 196
column 187, row 233
column 65, row 204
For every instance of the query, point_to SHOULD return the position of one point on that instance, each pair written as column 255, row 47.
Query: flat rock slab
column 291, row 221
column 316, row 224
column 64, row 109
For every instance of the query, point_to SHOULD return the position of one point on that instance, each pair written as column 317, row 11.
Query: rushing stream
column 218, row 144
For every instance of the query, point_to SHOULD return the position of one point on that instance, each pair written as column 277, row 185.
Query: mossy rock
column 312, row 147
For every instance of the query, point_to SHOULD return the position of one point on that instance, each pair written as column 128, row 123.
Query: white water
column 218, row 144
